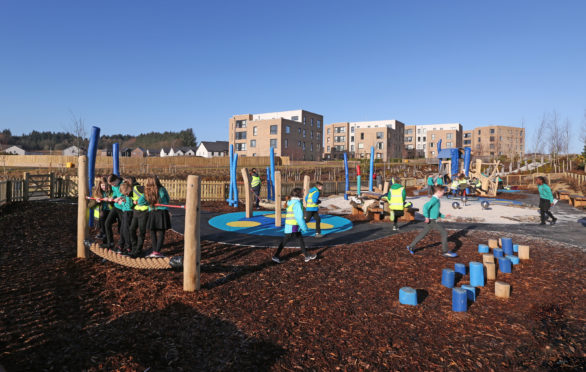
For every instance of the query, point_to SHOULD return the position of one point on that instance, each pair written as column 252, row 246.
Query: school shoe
column 318, row 235
column 395, row 228
column 450, row 254
column 276, row 259
column 541, row 224
column 155, row 255
column 310, row 257
column 553, row 221
column 410, row 250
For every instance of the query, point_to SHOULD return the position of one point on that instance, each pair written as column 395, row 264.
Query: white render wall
column 280, row 114
column 421, row 131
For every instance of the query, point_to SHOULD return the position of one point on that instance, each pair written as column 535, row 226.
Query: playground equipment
column 408, row 296
column 371, row 168
column 91, row 153
column 448, row 278
column 358, row 180
column 459, row 300
column 347, row 183
column 233, row 191
column 502, row 289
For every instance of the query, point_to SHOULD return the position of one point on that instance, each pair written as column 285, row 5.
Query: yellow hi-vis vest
column 310, row 203
column 255, row 181
column 455, row 184
column 290, row 216
column 396, row 202
column 135, row 196
column 463, row 181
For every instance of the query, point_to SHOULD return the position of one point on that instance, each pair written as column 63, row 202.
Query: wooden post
column 82, row 223
column 524, row 252
column 502, row 289
column 52, row 187
column 488, row 258
column 25, row 187
column 386, row 188
column 247, row 195
column 490, row 270
column 192, row 248
column 305, row 188
column 278, row 199
column 493, row 243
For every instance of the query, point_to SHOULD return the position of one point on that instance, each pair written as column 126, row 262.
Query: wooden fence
column 11, row 191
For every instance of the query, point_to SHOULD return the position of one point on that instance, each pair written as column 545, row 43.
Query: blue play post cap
column 515, row 248
column 514, row 259
column 507, row 244
column 448, row 278
column 505, row 265
column 483, row 248
column 498, row 252
column 476, row 274
column 408, row 296
column 471, row 292
column 460, row 268
column 459, row 300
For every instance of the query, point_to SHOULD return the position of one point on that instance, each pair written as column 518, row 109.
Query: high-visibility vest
column 310, row 203
column 290, row 216
column 396, row 201
column 255, row 181
column 135, row 196
column 455, row 184
column 478, row 183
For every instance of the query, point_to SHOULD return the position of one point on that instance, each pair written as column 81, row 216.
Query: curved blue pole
column 269, row 183
column 272, row 173
column 115, row 163
column 235, row 180
column 455, row 162
column 439, row 164
column 347, row 187
column 467, row 154
column 371, row 168
column 91, row 154
column 231, row 155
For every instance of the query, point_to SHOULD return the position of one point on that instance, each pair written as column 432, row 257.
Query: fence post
column 305, row 188
column 8, row 191
column 82, row 186
column 278, row 199
column 246, row 187
column 25, row 187
column 52, row 187
column 192, row 249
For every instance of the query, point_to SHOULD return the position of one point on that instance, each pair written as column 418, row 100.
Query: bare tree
column 77, row 127
column 539, row 137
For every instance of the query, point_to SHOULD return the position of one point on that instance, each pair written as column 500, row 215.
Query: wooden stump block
column 500, row 242
column 490, row 270
column 524, row 252
column 488, row 258
column 502, row 289
column 356, row 211
column 493, row 243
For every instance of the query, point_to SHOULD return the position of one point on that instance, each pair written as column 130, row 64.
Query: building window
column 252, row 143
column 317, row 146
column 408, row 139
column 433, row 136
column 424, row 139
column 352, row 130
column 361, row 136
column 274, row 143
column 418, row 139
column 298, row 143
column 311, row 134
column 467, row 135
column 318, row 135
column 491, row 139
column 328, row 148
column 361, row 145
column 318, row 124
column 287, row 129
column 299, row 130
column 492, row 131
column 449, row 136
column 303, row 146
column 273, row 129
column 254, row 131
column 240, row 123
column 241, row 147
column 340, row 139
column 409, row 147
column 351, row 138
column 304, row 120
column 361, row 155
column 352, row 148
column 379, row 145
column 311, row 146
column 254, row 154
column 303, row 133
column 286, row 143
column 478, row 139
column 295, row 118
column 449, row 144
column 467, row 142
column 492, row 146
column 328, row 140
column 240, row 135
column 379, row 135
column 329, row 130
column 379, row 155
column 312, row 122
column 340, row 130
column 409, row 131
column 433, row 153
column 431, row 144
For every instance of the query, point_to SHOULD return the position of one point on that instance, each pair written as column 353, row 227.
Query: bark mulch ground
column 339, row 312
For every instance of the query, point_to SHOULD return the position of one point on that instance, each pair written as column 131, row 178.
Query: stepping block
column 515, row 248
column 448, row 278
column 460, row 268
column 493, row 243
column 459, row 300
column 505, row 265
column 471, row 292
column 408, row 296
column 498, row 252
column 483, row 248
column 476, row 274
column 500, row 242
column 488, row 258
column 502, row 289
column 514, row 259
column 507, row 245
column 490, row 270
column 524, row 252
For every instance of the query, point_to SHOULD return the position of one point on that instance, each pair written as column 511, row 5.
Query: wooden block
column 524, row 252
column 488, row 258
column 502, row 289
column 493, row 243
column 376, row 216
column 356, row 211
column 500, row 243
column 490, row 270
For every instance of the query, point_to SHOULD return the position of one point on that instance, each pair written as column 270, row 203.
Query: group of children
column 136, row 209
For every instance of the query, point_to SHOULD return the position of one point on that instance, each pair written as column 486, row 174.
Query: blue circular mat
column 263, row 223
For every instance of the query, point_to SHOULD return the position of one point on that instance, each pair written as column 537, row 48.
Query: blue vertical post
column 115, row 155
column 91, row 153
column 272, row 174
column 455, row 162
column 235, row 180
column 231, row 155
column 371, row 168
column 467, row 155
column 269, row 182
column 439, row 160
column 347, row 187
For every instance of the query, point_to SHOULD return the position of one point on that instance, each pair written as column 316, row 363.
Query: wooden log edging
column 160, row 263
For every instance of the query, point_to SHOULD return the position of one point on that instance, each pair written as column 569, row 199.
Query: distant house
column 212, row 149
column 105, row 152
column 188, row 151
column 72, row 151
column 138, row 152
column 168, row 152
column 15, row 150
column 179, row 152
column 126, row 152
column 153, row 152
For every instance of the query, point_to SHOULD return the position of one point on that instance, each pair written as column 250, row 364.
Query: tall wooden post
column 192, row 249
column 247, row 196
column 25, row 187
column 386, row 188
column 52, row 186
column 82, row 227
column 278, row 199
column 305, row 188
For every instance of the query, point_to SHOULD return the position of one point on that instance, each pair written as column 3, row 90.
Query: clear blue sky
column 139, row 66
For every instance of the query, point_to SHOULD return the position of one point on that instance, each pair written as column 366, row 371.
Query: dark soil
column 340, row 311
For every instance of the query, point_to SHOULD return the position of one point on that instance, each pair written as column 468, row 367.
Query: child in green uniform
column 545, row 201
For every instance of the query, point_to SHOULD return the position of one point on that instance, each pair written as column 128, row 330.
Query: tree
column 187, row 137
column 79, row 131
column 539, row 134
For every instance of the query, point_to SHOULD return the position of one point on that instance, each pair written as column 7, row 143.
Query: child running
column 545, row 201
column 159, row 218
column 294, row 225
column 431, row 211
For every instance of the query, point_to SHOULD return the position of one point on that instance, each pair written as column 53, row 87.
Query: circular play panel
column 263, row 223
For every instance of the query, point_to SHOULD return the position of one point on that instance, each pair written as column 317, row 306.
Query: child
column 545, row 200
column 430, row 184
column 115, row 213
column 431, row 211
column 255, row 186
column 294, row 225
column 396, row 199
column 102, row 191
column 139, row 221
column 159, row 218
column 126, row 206
column 312, row 207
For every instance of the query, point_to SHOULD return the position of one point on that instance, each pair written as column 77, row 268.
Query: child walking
column 294, row 225
column 545, row 201
column 159, row 218
column 431, row 211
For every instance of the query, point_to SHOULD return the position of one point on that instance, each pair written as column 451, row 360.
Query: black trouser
column 544, row 206
column 429, row 189
column 124, row 228
column 314, row 214
column 432, row 225
column 256, row 191
column 289, row 237
column 102, row 221
column 157, row 238
column 113, row 216
column 398, row 213
column 139, row 221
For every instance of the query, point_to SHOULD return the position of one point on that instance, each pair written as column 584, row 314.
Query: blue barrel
column 505, row 265
column 476, row 274
column 515, row 248
column 483, row 248
column 498, row 253
column 460, row 268
column 408, row 296
column 507, row 244
column 448, row 278
column 514, row 259
column 471, row 292
column 459, row 300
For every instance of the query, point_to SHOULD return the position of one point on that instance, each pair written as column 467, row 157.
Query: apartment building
column 497, row 140
column 356, row 138
column 419, row 142
column 451, row 138
column 297, row 134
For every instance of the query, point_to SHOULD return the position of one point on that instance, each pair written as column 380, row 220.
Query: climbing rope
column 138, row 263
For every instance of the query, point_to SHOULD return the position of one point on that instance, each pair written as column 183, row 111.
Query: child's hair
column 296, row 192
column 543, row 180
column 125, row 188
column 151, row 189
column 98, row 192
column 318, row 184
column 113, row 178
column 131, row 180
column 437, row 188
column 253, row 170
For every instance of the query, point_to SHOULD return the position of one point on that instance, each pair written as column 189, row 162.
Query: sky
column 138, row 66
